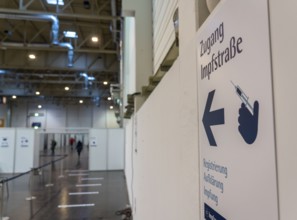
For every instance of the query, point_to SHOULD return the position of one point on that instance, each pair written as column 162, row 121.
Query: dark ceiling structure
column 38, row 57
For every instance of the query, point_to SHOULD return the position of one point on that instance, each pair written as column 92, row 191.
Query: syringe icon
column 243, row 97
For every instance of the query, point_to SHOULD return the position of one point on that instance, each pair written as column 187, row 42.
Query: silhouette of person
column 53, row 146
column 79, row 147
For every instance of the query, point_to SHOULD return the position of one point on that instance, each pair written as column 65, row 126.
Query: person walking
column 53, row 147
column 71, row 142
column 79, row 147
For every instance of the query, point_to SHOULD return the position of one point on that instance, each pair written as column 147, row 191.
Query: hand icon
column 248, row 123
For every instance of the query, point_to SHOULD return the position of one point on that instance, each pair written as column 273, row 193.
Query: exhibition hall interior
column 147, row 109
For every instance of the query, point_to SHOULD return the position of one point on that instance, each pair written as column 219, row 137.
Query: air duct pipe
column 53, row 19
column 3, row 45
column 70, row 52
column 54, row 32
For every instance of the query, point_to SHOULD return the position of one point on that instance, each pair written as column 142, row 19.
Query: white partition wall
column 163, row 34
column 25, row 156
column 106, row 151
column 7, row 145
column 98, row 149
column 115, row 160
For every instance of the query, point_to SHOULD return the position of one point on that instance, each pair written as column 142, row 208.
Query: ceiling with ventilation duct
column 38, row 28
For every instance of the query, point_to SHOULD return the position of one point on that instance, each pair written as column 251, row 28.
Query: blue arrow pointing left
column 212, row 118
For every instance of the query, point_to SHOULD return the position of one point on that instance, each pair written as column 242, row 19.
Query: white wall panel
column 19, row 115
column 24, row 150
column 98, row 149
column 142, row 10
column 115, row 160
column 283, row 21
column 99, row 118
column 106, row 151
column 7, row 150
column 129, row 58
column 129, row 157
column 72, row 115
column 163, row 29
column 85, row 116
column 61, row 116
column 165, row 159
column 55, row 116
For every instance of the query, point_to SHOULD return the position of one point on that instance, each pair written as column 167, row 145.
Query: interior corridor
column 64, row 189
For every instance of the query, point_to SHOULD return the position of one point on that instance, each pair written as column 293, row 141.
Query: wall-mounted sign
column 4, row 142
column 93, row 142
column 236, row 134
column 24, row 142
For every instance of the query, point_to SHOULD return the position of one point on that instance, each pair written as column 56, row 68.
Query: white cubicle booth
column 26, row 150
column 106, row 149
column 7, row 150
column 19, row 150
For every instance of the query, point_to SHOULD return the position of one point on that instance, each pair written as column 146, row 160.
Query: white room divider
column 106, row 150
column 115, row 149
column 26, row 150
column 97, row 149
column 7, row 146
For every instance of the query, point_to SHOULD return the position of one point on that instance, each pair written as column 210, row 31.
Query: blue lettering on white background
column 211, row 214
column 214, row 176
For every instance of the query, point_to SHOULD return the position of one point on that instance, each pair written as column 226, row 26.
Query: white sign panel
column 7, row 148
column 24, row 141
column 93, row 142
column 4, row 141
column 98, row 149
column 24, row 154
column 236, row 135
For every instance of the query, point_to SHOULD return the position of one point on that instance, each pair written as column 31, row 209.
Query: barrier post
column 1, row 201
column 61, row 169
column 30, row 197
column 2, row 186
column 50, row 184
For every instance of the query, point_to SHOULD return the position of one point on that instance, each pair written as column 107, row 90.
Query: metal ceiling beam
column 48, row 68
column 45, row 75
column 47, row 47
column 102, row 7
column 66, row 15
column 41, row 81
column 47, row 94
column 90, row 24
column 68, row 4
column 27, row 5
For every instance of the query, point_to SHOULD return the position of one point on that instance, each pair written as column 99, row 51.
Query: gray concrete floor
column 58, row 185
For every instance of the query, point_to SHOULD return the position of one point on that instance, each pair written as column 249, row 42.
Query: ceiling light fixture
column 105, row 83
column 81, row 101
column 37, row 93
column 14, row 97
column 32, row 56
column 70, row 34
column 66, row 88
column 111, row 107
column 55, row 2
column 95, row 39
column 109, row 98
column 39, row 106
